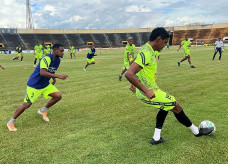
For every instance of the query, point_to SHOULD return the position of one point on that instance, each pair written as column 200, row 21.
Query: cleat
column 219, row 61
column 204, row 132
column 34, row 66
column 178, row 63
column 84, row 69
column 44, row 115
column 153, row 142
column 192, row 66
column 11, row 127
column 120, row 77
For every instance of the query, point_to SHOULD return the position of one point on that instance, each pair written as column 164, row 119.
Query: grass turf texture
column 100, row 121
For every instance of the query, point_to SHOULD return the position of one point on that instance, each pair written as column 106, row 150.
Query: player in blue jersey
column 19, row 53
column 38, row 84
column 90, row 59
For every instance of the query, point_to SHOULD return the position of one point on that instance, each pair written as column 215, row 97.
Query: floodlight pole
column 29, row 21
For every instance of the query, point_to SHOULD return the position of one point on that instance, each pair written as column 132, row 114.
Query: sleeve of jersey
column 45, row 62
column 142, row 59
column 127, row 49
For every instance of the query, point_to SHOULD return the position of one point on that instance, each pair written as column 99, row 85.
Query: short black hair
column 56, row 46
column 159, row 31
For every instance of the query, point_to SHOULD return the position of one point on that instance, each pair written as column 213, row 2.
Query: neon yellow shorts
column 90, row 60
column 19, row 54
column 32, row 94
column 126, row 65
column 38, row 55
column 162, row 100
column 187, row 52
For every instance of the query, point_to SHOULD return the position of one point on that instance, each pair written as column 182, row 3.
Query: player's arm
column 2, row 67
column 44, row 64
column 131, row 76
column 45, row 73
column 128, row 58
column 34, row 51
column 133, row 56
column 54, row 81
column 179, row 47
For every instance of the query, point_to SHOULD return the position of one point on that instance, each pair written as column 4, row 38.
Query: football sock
column 12, row 120
column 183, row 119
column 44, row 109
column 194, row 129
column 157, row 134
column 21, row 58
column 34, row 62
column 161, row 118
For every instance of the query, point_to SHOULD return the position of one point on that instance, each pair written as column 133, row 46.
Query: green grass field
column 100, row 121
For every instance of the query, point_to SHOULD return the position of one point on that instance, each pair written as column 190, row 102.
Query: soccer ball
column 207, row 124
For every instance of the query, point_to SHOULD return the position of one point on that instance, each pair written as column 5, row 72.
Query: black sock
column 21, row 58
column 183, row 119
column 35, row 62
column 161, row 118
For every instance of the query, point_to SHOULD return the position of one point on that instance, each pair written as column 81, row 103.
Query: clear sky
column 111, row 14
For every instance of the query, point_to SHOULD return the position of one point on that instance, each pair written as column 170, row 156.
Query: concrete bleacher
column 104, row 38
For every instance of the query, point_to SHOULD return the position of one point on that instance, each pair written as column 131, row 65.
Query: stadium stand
column 11, row 38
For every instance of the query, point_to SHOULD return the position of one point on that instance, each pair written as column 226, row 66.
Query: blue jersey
column 36, row 80
column 91, row 53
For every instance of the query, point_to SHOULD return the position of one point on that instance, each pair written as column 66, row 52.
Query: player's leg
column 35, row 62
column 16, row 114
column 215, row 54
column 22, row 57
column 183, row 119
column 74, row 55
column 185, row 58
column 189, row 61
column 71, row 55
column 220, row 53
column 31, row 95
column 121, row 74
column 125, row 68
column 49, row 92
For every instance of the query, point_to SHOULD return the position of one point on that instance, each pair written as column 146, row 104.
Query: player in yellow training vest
column 128, row 56
column 186, row 44
column 72, row 51
column 142, row 74
column 37, row 52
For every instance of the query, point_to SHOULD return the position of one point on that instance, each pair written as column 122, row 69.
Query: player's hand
column 2, row 67
column 150, row 94
column 132, row 88
column 54, row 81
column 63, row 77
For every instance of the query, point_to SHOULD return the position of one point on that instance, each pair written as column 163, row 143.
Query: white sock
column 157, row 134
column 44, row 109
column 194, row 129
column 12, row 120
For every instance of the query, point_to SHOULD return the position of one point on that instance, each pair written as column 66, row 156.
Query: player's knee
column 177, row 108
column 58, row 96
column 27, row 105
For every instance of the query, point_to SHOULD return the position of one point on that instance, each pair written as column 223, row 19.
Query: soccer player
column 90, row 59
column 19, row 53
column 72, row 51
column 186, row 44
column 38, row 84
column 2, row 67
column 37, row 52
column 142, row 74
column 128, row 56
column 48, row 47
column 218, row 48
